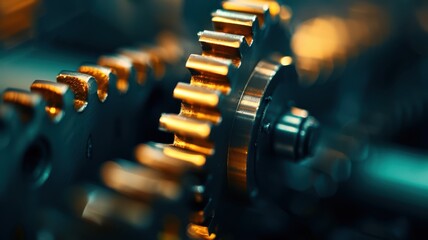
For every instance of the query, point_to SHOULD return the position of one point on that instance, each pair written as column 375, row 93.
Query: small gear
column 61, row 132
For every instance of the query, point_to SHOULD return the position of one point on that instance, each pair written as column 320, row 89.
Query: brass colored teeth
column 152, row 156
column 136, row 181
column 79, row 90
column 200, row 112
column 25, row 102
column 185, row 126
column 258, row 8
column 21, row 98
column 121, row 66
column 196, row 145
column 56, row 95
column 210, row 72
column 236, row 23
column 81, row 85
column 197, row 95
column 216, row 67
column 207, row 82
column 196, row 231
column 102, row 77
column 236, row 26
column 223, row 44
column 141, row 62
column 194, row 158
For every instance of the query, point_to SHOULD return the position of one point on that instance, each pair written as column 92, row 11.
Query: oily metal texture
column 244, row 33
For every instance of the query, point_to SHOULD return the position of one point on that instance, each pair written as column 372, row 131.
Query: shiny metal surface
column 245, row 160
column 251, row 107
column 295, row 134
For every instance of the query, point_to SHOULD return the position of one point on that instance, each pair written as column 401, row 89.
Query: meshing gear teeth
column 229, row 55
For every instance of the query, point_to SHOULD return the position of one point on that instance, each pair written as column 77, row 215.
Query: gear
column 244, row 35
column 223, row 129
column 61, row 132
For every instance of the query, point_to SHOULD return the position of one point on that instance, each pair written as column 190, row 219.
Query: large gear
column 245, row 33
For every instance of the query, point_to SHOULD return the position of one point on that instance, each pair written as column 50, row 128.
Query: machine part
column 62, row 131
column 144, row 203
column 295, row 134
column 218, row 104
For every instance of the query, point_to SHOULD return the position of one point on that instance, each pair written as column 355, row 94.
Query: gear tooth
column 210, row 72
column 196, row 231
column 141, row 62
column 194, row 158
column 203, row 147
column 199, row 112
column 223, row 45
column 152, row 155
column 197, row 95
column 264, row 10
column 27, row 104
column 236, row 23
column 136, row 181
column 121, row 66
column 83, row 86
column 218, row 67
column 185, row 126
column 58, row 97
column 204, row 81
column 103, row 76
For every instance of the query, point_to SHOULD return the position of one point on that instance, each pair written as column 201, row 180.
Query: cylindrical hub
column 294, row 134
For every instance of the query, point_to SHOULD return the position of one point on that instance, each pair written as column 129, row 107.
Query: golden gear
column 243, row 36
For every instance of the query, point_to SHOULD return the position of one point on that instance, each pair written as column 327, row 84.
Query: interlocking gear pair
column 235, row 114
